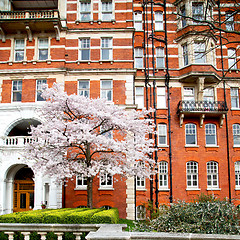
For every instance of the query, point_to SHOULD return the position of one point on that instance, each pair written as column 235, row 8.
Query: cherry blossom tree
column 89, row 137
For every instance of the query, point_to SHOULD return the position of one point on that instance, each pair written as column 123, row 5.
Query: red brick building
column 160, row 55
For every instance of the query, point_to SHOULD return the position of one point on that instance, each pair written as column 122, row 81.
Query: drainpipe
column 225, row 100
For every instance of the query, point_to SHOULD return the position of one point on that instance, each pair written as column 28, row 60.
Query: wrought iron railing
column 40, row 14
column 202, row 106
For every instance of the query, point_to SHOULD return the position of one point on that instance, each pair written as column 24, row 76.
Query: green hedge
column 106, row 216
column 63, row 216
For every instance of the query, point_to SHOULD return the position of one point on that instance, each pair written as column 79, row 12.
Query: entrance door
column 23, row 193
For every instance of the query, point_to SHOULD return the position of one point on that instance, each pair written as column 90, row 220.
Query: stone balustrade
column 102, row 232
column 16, row 141
column 42, row 229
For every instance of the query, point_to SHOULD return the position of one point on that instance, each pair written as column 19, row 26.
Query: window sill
column 106, row 189
column 193, row 189
column 83, row 61
column 211, row 146
column 191, row 146
column 104, row 61
column 141, row 189
column 99, row 21
column 214, row 189
column 236, row 146
column 163, row 146
column 80, row 188
column 84, row 21
column 163, row 189
column 237, row 188
column 235, row 109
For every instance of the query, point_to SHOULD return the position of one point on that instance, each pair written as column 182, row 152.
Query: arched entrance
column 23, row 190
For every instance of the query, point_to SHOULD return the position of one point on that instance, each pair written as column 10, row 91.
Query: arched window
column 237, row 175
column 192, row 174
column 191, row 134
column 212, row 175
column 141, row 212
column 210, row 134
column 236, row 134
column 163, row 175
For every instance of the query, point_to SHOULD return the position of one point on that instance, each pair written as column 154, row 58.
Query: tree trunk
column 89, row 192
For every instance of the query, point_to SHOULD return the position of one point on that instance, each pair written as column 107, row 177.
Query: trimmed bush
column 82, row 217
column 106, row 216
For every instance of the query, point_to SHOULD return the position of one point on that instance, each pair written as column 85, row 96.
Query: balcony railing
column 41, row 14
column 202, row 106
column 16, row 141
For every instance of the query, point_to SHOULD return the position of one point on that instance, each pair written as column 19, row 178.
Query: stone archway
column 18, row 180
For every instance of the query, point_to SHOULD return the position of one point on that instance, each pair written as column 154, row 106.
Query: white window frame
column 106, row 46
column 163, row 175
column 183, row 13
column 138, row 57
column 140, row 181
column 191, row 130
column 16, row 88
column 159, row 21
column 232, row 59
column 192, row 175
column 81, row 179
column 139, row 97
column 212, row 175
column 140, row 212
column 229, row 21
column 137, row 17
column 236, row 135
column 39, row 89
column 211, row 131
column 42, row 46
column 208, row 95
column 19, row 47
column 160, row 57
column 82, row 90
column 104, row 181
column 189, row 94
column 161, row 98
column 106, row 90
column 85, row 12
column 185, row 54
column 198, row 15
column 234, row 92
column 237, row 175
column 162, row 134
column 200, row 53
column 107, row 10
column 84, row 46
column 108, row 134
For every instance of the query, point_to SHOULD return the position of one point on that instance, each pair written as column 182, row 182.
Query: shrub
column 81, row 217
column 204, row 216
column 106, row 216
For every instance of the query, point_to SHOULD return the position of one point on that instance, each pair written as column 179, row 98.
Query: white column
column 53, row 195
column 38, row 192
